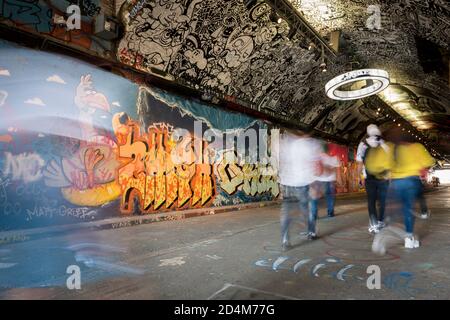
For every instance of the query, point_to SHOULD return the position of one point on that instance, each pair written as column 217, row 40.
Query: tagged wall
column 78, row 144
column 348, row 179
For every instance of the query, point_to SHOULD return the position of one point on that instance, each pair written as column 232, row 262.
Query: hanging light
column 380, row 79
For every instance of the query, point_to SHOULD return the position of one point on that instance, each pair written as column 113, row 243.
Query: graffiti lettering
column 250, row 178
column 88, row 8
column 28, row 13
column 16, row 237
column 3, row 185
column 26, row 167
column 62, row 211
column 150, row 174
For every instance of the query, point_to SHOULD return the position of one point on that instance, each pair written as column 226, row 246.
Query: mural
column 219, row 45
column 78, row 143
column 347, row 177
column 151, row 173
column 242, row 50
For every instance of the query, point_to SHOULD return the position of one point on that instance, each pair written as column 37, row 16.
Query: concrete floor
column 234, row 255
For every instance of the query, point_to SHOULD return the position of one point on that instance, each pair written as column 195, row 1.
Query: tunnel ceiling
column 251, row 52
column 412, row 44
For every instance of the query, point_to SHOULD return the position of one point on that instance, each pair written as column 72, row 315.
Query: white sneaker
column 411, row 243
column 373, row 229
column 425, row 215
column 381, row 225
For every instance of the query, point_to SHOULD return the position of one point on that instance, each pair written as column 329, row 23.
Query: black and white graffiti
column 392, row 46
column 223, row 46
column 242, row 49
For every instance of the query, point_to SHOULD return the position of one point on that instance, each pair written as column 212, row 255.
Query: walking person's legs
column 294, row 198
column 407, row 190
column 371, row 190
column 410, row 191
column 424, row 212
column 382, row 194
column 409, row 197
column 285, row 214
column 312, row 217
column 313, row 208
column 330, row 193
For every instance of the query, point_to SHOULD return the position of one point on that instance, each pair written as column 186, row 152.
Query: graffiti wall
column 228, row 46
column 347, row 176
column 78, row 144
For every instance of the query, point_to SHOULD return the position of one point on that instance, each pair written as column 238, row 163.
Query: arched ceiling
column 402, row 45
column 251, row 52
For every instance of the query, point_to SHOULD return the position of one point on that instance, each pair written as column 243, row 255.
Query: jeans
column 330, row 196
column 294, row 198
column 376, row 190
column 406, row 191
column 422, row 201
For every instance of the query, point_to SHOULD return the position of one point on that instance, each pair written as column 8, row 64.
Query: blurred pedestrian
column 327, row 177
column 375, row 181
column 298, row 157
column 406, row 160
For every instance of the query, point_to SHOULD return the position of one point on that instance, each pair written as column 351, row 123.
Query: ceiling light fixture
column 379, row 79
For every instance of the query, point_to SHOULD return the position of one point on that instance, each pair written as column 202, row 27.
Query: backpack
column 364, row 157
column 371, row 175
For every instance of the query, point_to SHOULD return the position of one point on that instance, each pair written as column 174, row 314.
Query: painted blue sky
column 40, row 84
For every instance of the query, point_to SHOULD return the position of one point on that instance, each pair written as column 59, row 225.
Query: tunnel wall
column 79, row 144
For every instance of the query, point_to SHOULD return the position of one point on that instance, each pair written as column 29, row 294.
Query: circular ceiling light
column 380, row 79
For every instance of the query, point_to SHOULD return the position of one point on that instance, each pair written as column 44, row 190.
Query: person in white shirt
column 298, row 157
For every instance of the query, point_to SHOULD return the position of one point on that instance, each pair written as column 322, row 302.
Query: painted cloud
column 4, row 72
column 56, row 78
column 35, row 101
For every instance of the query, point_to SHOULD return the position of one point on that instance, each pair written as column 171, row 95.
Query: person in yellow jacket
column 404, row 159
column 371, row 151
